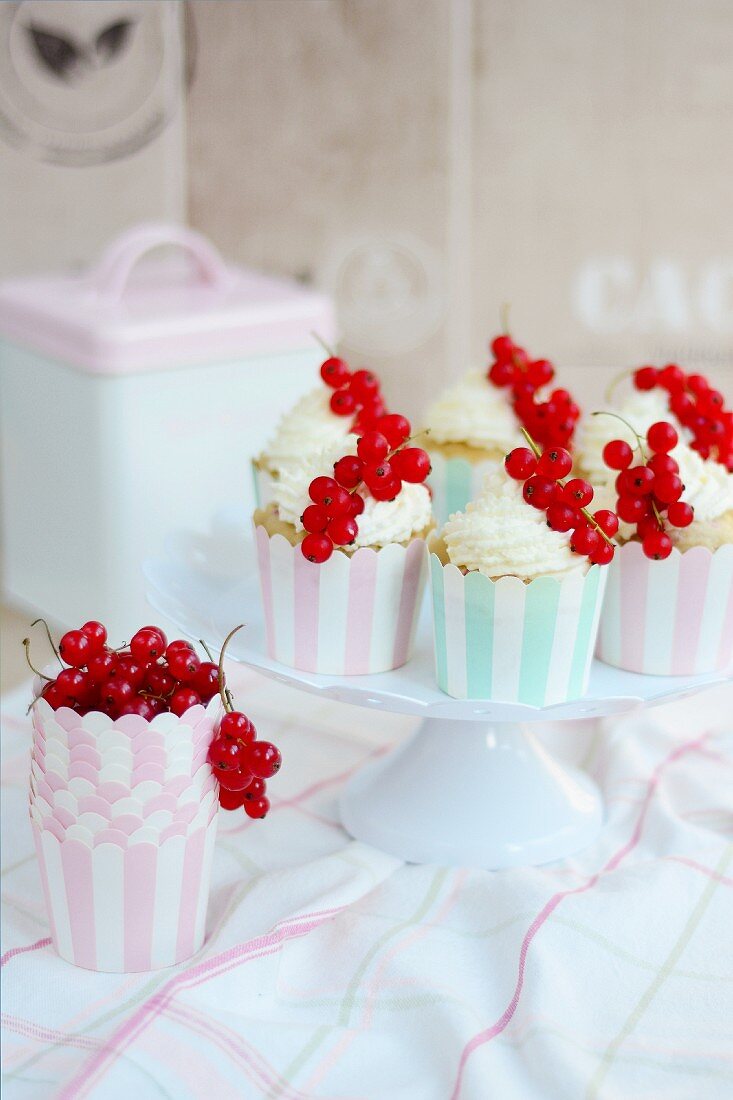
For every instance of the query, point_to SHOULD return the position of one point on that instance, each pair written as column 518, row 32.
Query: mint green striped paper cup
column 514, row 642
column 455, row 481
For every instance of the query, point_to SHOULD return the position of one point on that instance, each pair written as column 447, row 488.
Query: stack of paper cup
column 124, row 818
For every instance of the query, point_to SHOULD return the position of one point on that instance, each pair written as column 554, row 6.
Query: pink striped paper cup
column 127, row 907
column 354, row 614
column 264, row 484
column 671, row 617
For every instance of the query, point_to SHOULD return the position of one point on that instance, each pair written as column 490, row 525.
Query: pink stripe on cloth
column 725, row 653
column 265, row 571
column 360, row 613
column 692, row 584
column 306, row 586
column 13, row 951
column 76, row 860
column 191, row 887
column 414, row 559
column 633, row 591
column 139, row 905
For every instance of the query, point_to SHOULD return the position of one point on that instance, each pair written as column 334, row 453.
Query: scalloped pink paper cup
column 124, row 834
column 671, row 617
column 352, row 615
column 514, row 642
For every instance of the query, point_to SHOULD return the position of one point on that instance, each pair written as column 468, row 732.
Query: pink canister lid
column 132, row 312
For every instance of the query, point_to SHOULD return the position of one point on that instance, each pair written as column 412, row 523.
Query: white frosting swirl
column 381, row 522
column 641, row 409
column 499, row 534
column 474, row 411
column 308, row 427
column 708, row 485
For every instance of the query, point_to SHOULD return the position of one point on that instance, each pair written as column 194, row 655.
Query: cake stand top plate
column 206, row 584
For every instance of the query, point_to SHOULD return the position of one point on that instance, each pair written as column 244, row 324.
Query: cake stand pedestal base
column 472, row 794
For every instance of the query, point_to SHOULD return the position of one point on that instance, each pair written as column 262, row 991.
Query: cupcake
column 476, row 421
column 669, row 604
column 341, row 554
column 345, row 403
column 516, row 598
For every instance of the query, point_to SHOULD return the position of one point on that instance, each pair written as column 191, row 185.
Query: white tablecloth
column 333, row 970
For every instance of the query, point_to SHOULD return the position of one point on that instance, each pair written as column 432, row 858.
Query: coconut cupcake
column 516, row 603
column 476, row 421
column 345, row 403
column 341, row 554
column 669, row 605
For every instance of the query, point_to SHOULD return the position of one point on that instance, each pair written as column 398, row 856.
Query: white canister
column 133, row 398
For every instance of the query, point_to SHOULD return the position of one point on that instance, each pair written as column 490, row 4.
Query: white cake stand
column 473, row 785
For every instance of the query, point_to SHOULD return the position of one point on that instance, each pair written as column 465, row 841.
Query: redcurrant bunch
column 381, row 464
column 566, row 503
column 649, row 490
column 551, row 422
column 356, row 393
column 241, row 763
column 698, row 406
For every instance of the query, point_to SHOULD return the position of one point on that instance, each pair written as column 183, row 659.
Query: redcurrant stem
column 27, row 648
column 226, row 696
column 584, row 511
column 639, row 441
column 608, row 395
column 326, row 347
column 504, row 317
column 211, row 658
column 50, row 639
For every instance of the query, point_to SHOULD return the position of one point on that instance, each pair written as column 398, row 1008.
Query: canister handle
column 111, row 275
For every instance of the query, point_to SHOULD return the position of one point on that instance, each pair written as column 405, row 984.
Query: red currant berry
column 520, row 463
column 130, row 669
column 257, row 808
column 672, row 378
column 395, row 427
column 372, row 447
column 577, row 492
column 158, row 681
column 347, row 472
column 364, row 386
column 334, row 372
column 603, row 555
column 342, row 403
column 710, row 403
column 640, row 481
column 646, row 378
column 263, row 759
column 378, row 474
column 631, row 509
column 502, row 373
column 662, row 437
column 647, row 524
column 657, row 545
column 206, row 681
column 147, row 645
column 157, row 630
column 96, row 633
column 316, row 548
column 411, row 464
column 231, row 800
column 682, row 405
column 555, row 463
column 342, row 531
column 502, row 347
column 54, row 696
column 540, row 372
column 184, row 664
column 321, row 490
column 236, row 726
column 339, row 504
column 697, row 384
column 539, row 491
column 99, row 667
column 680, row 514
column 314, row 519
column 146, row 708
column 585, row 540
column 256, row 789
column 183, row 699
column 703, row 449
column 520, row 358
column 227, row 760
column 73, row 683
column 561, row 517
column 562, row 398
column 663, row 464
column 387, row 491
column 356, row 505
column 607, row 521
column 668, row 488
column 76, row 648
column 618, row 454
column 179, row 645
column 116, row 694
